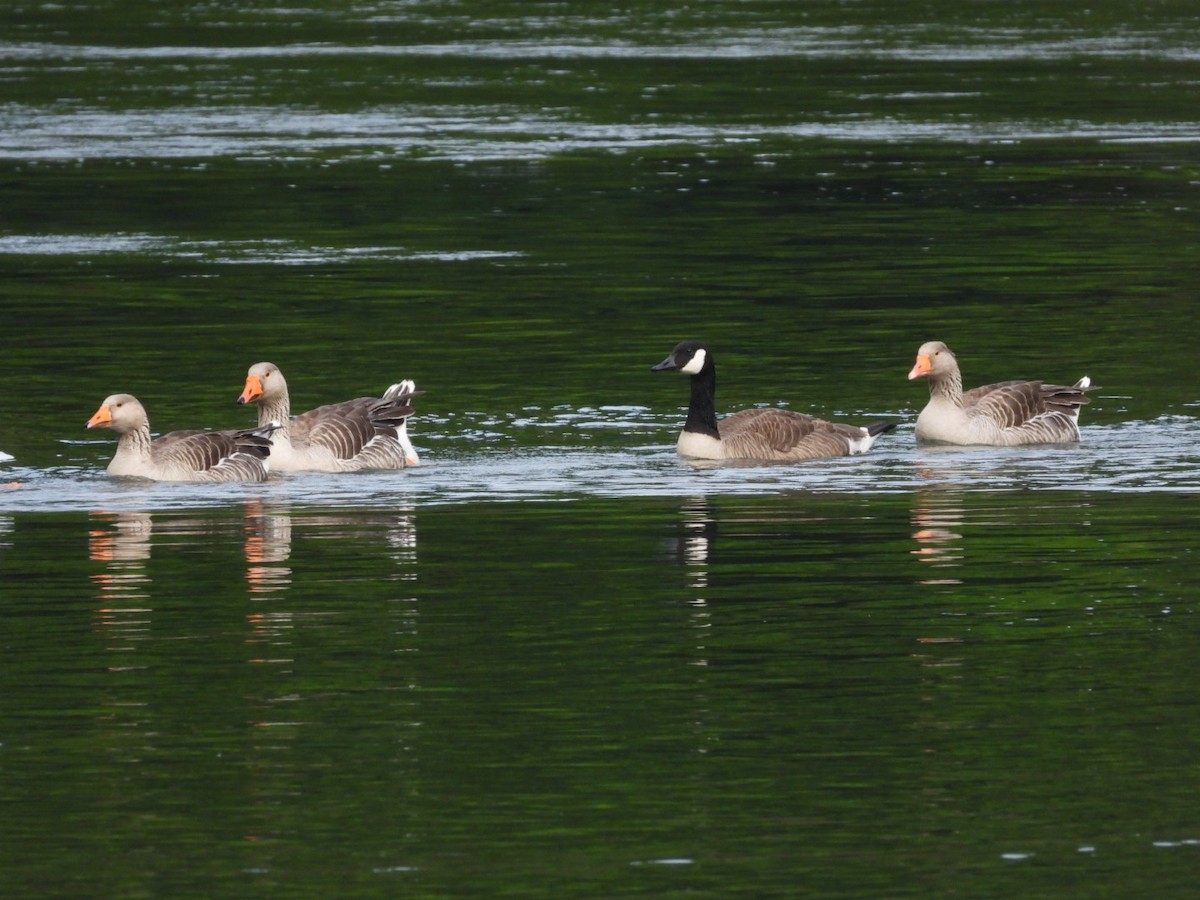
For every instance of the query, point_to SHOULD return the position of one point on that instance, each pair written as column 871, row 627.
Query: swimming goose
column 768, row 434
column 181, row 455
column 366, row 433
column 1006, row 414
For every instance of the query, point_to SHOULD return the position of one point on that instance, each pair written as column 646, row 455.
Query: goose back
column 786, row 435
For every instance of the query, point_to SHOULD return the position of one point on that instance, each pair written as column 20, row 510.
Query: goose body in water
column 181, row 455
column 762, row 434
column 365, row 433
column 1006, row 414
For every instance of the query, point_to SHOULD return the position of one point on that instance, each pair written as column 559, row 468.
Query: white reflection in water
column 692, row 549
column 467, row 134
column 276, row 251
column 573, row 37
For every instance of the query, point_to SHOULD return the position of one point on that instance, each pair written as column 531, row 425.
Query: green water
column 554, row 660
column 897, row 695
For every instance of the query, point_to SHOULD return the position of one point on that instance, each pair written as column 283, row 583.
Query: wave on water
column 466, row 465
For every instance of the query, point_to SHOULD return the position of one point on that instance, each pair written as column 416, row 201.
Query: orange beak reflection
column 923, row 366
column 102, row 418
column 252, row 391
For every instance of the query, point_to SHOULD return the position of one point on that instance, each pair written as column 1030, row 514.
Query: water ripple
column 468, row 134
column 1147, row 456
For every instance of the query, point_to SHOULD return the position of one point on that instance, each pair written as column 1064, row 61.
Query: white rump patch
column 696, row 363
column 862, row 444
column 1084, row 383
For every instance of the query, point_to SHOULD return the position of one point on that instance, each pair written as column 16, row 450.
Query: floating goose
column 181, row 455
column 1006, row 414
column 367, row 433
column 768, row 434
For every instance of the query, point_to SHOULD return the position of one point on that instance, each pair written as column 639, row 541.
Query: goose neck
column 947, row 386
column 702, row 415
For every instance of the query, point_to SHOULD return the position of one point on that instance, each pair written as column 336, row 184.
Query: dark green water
column 555, row 661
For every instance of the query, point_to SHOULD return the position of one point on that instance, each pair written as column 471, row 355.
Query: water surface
column 555, row 659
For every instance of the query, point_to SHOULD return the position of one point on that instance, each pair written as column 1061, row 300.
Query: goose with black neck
column 756, row 434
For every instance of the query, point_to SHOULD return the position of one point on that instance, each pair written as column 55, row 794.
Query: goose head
column 120, row 412
column 263, row 380
column 934, row 358
column 689, row 357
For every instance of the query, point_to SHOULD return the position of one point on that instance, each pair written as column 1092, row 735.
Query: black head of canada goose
column 365, row 433
column 766, row 434
column 1005, row 414
column 181, row 455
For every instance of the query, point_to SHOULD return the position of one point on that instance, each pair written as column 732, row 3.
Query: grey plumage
column 364, row 433
column 181, row 455
column 1005, row 414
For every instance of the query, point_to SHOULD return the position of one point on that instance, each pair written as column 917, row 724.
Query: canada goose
column 366, row 433
column 181, row 455
column 1006, row 414
column 768, row 434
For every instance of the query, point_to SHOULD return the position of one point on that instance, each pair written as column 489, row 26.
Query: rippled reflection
column 121, row 541
column 268, row 545
column 693, row 549
column 937, row 519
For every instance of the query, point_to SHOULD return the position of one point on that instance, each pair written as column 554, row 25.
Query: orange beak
column 102, row 418
column 923, row 366
column 252, row 391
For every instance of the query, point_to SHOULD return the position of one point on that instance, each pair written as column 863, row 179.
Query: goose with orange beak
column 355, row 435
column 181, row 455
column 1005, row 414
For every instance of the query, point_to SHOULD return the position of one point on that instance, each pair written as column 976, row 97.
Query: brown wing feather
column 343, row 428
column 1013, row 403
column 786, row 434
column 198, row 451
column 219, row 455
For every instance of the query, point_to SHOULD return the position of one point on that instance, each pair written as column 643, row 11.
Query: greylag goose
column 366, row 433
column 181, row 455
column 1006, row 414
column 766, row 434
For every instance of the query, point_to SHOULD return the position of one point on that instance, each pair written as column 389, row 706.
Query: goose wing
column 341, row 428
column 783, row 434
column 1013, row 403
column 215, row 455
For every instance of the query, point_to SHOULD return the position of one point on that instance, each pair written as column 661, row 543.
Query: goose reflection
column 121, row 541
column 937, row 518
column 692, row 549
column 268, row 545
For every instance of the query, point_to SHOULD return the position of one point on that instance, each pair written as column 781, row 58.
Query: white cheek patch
column 696, row 363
